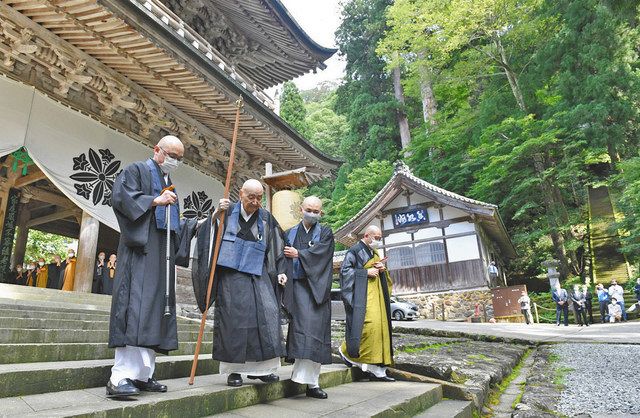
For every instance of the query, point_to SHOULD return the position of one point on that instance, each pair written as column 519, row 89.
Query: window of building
column 430, row 253
column 400, row 257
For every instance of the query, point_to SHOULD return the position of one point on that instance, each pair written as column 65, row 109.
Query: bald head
column 311, row 210
column 251, row 195
column 168, row 146
column 372, row 236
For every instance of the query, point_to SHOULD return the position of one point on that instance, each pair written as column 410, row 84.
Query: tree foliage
column 44, row 245
column 292, row 108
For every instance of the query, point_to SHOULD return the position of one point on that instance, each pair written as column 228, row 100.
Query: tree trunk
column 429, row 105
column 403, row 122
column 511, row 75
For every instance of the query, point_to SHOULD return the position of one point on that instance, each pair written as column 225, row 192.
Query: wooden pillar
column 268, row 170
column 20, row 247
column 87, row 246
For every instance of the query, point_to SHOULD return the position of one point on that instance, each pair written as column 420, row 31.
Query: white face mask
column 101, row 257
column 311, row 218
column 41, row 263
column 31, row 267
column 375, row 243
column 169, row 165
column 19, row 269
column 71, row 254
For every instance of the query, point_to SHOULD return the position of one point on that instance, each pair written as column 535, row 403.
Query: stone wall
column 458, row 305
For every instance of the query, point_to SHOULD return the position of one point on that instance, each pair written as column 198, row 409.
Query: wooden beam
column 49, row 197
column 53, row 217
column 30, row 178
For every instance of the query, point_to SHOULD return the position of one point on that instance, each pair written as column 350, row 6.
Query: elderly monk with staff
column 247, row 339
column 147, row 209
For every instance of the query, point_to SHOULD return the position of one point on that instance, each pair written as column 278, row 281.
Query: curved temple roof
column 403, row 179
column 259, row 37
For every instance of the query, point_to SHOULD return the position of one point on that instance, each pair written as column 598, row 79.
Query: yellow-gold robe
column 42, row 276
column 69, row 275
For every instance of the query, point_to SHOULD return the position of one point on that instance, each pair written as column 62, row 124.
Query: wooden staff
column 216, row 250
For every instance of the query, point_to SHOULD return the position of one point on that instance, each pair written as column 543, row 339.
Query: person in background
column 107, row 278
column 561, row 298
column 31, row 274
column 69, row 272
column 636, row 290
column 617, row 291
column 99, row 271
column 42, row 273
column 603, row 301
column 21, row 276
column 615, row 312
column 577, row 297
column 588, row 302
column 493, row 272
column 525, row 307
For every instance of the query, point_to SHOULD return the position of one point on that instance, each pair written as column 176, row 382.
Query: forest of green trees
column 521, row 103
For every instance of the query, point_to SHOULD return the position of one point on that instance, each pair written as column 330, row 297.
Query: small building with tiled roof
column 435, row 240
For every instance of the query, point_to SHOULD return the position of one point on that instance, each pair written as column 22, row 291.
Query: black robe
column 353, row 289
column 246, row 319
column 308, row 299
column 54, row 271
column 138, row 302
column 98, row 274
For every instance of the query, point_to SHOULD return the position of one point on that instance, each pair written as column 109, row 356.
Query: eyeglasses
column 171, row 154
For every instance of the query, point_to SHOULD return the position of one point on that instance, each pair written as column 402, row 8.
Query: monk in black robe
column 365, row 288
column 247, row 339
column 308, row 296
column 99, row 270
column 138, row 328
column 55, row 272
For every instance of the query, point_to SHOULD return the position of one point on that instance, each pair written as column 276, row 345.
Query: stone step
column 36, row 306
column 449, row 408
column 73, row 324
column 10, row 291
column 27, row 353
column 209, row 395
column 20, row 335
column 37, row 378
column 357, row 399
column 28, row 313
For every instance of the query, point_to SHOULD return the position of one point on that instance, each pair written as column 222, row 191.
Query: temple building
column 435, row 240
column 89, row 86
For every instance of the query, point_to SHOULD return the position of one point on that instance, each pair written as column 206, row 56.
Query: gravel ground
column 605, row 378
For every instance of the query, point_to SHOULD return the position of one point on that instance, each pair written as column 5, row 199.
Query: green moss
column 560, row 376
column 458, row 378
column 498, row 390
column 423, row 347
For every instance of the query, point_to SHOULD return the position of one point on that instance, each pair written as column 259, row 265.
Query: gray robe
column 137, row 306
column 353, row 289
column 308, row 300
column 247, row 312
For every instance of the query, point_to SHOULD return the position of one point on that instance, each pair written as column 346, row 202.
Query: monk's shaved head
column 312, row 201
column 252, row 186
column 169, row 140
column 251, row 195
column 372, row 230
column 169, row 145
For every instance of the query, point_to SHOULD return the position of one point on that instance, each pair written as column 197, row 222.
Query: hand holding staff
column 216, row 251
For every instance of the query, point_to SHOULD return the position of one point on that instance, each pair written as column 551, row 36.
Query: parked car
column 401, row 309
column 337, row 307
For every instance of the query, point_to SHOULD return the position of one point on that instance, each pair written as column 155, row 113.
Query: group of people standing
column 262, row 275
column 103, row 274
column 610, row 301
column 57, row 274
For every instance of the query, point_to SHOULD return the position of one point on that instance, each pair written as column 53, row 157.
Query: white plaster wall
column 397, row 238
column 451, row 212
column 428, row 233
column 434, row 214
column 463, row 248
column 460, row 228
column 388, row 223
column 400, row 201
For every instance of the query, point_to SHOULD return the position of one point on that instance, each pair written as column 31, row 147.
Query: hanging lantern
column 285, row 207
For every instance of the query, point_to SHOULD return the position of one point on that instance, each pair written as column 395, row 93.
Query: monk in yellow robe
column 366, row 288
column 31, row 274
column 42, row 273
column 69, row 271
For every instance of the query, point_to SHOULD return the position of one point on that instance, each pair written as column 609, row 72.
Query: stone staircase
column 54, row 362
column 608, row 262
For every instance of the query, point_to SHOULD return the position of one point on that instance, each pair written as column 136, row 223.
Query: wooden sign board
column 505, row 300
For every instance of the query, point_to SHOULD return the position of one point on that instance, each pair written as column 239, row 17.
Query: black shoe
column 234, row 380
column 125, row 389
column 558, row 324
column 316, row 393
column 385, row 378
column 270, row 378
column 151, row 385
